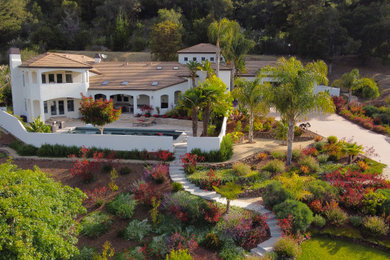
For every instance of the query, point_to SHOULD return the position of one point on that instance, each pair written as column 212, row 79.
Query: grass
column 326, row 248
column 343, row 231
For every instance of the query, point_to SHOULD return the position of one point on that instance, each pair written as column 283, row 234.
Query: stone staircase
column 177, row 174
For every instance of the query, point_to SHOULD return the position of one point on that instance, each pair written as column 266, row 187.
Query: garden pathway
column 176, row 172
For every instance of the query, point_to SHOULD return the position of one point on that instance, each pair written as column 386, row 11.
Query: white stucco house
column 50, row 85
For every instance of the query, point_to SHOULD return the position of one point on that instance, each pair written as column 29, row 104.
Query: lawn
column 326, row 248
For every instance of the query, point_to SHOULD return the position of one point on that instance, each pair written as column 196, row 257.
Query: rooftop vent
column 175, row 68
column 105, row 83
column 124, row 83
column 154, row 83
column 98, row 58
column 159, row 68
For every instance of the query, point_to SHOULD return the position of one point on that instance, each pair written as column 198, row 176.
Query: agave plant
column 38, row 126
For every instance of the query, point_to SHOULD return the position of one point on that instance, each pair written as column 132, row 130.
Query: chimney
column 98, row 58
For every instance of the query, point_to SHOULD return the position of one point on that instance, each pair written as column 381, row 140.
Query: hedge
column 224, row 153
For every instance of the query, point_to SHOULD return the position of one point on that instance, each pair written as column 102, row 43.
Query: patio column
column 135, row 97
column 41, row 111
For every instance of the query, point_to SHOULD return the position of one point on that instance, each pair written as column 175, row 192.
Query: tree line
column 319, row 29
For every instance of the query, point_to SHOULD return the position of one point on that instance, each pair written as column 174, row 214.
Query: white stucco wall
column 114, row 142
column 207, row 144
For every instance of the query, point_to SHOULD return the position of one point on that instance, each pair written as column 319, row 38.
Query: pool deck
column 127, row 121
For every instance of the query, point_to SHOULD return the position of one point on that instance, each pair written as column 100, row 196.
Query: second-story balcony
column 58, row 90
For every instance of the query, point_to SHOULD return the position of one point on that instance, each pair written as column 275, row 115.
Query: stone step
column 258, row 251
column 269, row 244
column 272, row 222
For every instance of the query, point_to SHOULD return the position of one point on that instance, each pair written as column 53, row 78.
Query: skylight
column 154, row 83
column 105, row 83
column 159, row 68
column 124, row 83
column 175, row 68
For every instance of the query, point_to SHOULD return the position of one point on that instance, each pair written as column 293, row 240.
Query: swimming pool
column 126, row 131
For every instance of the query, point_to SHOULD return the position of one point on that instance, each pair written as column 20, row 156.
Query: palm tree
column 235, row 53
column 38, row 126
column 193, row 66
column 192, row 100
column 293, row 96
column 352, row 150
column 205, row 66
column 215, row 99
column 230, row 191
column 251, row 95
column 351, row 81
column 221, row 32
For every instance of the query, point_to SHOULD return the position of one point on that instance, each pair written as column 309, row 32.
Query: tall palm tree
column 251, row 95
column 192, row 100
column 351, row 81
column 205, row 66
column 221, row 32
column 294, row 94
column 235, row 53
column 215, row 98
column 193, row 66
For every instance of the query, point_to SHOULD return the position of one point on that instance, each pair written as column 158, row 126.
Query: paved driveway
column 333, row 124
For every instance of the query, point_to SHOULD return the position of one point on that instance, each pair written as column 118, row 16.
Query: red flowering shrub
column 286, row 225
column 353, row 185
column 190, row 161
column 146, row 110
column 86, row 167
column 316, row 206
column 212, row 213
column 178, row 212
column 97, row 195
column 356, row 108
column 158, row 173
column 145, row 193
column 179, row 242
column 165, row 156
column 380, row 129
column 310, row 151
column 212, row 180
column 339, row 102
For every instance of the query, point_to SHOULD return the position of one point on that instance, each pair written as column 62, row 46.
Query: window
column 119, row 98
column 212, row 59
column 164, row 101
column 61, row 108
column 126, row 99
column 53, row 107
column 69, row 78
column 185, row 58
column 43, row 78
column 45, row 110
column 59, row 78
column 51, row 78
column 194, row 58
column 203, row 58
column 70, row 105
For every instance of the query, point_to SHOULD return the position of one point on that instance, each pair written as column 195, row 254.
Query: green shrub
column 177, row 186
column 322, row 158
column 319, row 221
column 125, row 170
column 319, row 146
column 372, row 202
column 212, row 241
column 385, row 208
column 107, row 168
column 310, row 163
column 332, row 139
column 23, row 149
column 296, row 154
column 287, row 248
column 241, row 169
column 95, row 224
column 226, row 148
column 374, row 166
column 371, row 110
column 356, row 221
column 274, row 194
column 274, row 166
column 336, row 216
column 137, row 230
column 322, row 190
column 134, row 254
column 86, row 253
column 181, row 254
column 301, row 213
column 230, row 251
column 375, row 226
column 122, row 206
column 297, row 131
column 211, row 129
column 279, row 155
